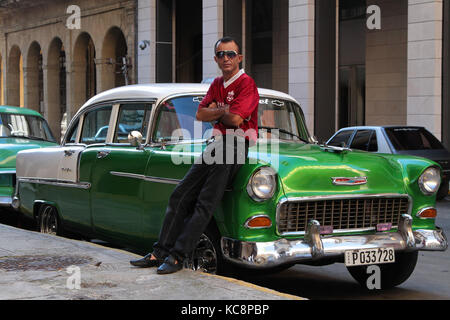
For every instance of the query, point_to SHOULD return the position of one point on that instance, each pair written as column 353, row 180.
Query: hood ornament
column 344, row 181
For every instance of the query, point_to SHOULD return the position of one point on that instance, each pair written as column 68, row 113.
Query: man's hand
column 211, row 113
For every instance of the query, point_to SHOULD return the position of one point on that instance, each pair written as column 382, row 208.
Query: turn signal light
column 258, row 222
column 428, row 213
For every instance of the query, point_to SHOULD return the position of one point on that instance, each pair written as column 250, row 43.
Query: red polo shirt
column 241, row 95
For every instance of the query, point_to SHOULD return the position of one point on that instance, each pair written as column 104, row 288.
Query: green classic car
column 294, row 201
column 20, row 129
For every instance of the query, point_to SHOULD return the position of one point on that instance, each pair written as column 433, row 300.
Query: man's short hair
column 226, row 40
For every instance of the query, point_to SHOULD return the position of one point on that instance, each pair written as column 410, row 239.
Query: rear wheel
column 49, row 220
column 392, row 274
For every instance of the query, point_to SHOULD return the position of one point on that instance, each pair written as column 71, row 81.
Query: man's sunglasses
column 230, row 54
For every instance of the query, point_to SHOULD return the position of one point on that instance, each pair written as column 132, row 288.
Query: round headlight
column 430, row 180
column 262, row 184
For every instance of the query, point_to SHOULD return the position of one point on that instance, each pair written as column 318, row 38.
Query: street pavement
column 35, row 266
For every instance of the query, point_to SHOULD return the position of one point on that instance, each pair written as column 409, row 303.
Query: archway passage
column 34, row 78
column 15, row 78
column 114, row 63
column 84, row 76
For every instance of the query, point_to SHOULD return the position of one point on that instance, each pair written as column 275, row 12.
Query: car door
column 116, row 178
column 178, row 138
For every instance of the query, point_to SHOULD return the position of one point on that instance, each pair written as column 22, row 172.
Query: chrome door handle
column 102, row 154
column 68, row 153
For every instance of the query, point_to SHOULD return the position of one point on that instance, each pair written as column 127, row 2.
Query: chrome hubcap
column 204, row 257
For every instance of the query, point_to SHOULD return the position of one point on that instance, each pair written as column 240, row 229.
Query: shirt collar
column 233, row 79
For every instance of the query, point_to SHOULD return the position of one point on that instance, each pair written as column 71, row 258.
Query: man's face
column 225, row 63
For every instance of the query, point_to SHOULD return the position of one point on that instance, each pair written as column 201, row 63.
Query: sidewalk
column 35, row 266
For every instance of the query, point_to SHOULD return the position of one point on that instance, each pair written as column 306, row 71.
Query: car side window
column 373, row 144
column 340, row 138
column 95, row 125
column 363, row 140
column 132, row 117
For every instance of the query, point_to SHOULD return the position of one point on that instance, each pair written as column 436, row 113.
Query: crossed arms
column 213, row 113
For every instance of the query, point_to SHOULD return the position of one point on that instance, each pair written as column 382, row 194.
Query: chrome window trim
column 59, row 183
column 337, row 197
column 112, row 123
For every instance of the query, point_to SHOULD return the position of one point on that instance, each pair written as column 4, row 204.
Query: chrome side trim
column 59, row 183
column 338, row 197
column 7, row 171
column 146, row 178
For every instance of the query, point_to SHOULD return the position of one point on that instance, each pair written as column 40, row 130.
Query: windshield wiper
column 284, row 131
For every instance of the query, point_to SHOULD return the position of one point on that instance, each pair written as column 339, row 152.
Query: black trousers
column 196, row 197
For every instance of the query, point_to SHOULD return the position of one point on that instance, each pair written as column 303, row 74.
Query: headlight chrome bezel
column 258, row 195
column 426, row 189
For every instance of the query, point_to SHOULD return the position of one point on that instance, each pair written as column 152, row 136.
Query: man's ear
column 215, row 59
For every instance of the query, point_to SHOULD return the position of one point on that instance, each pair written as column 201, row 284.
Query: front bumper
column 315, row 247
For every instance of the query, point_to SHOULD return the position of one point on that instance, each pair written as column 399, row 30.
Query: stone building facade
column 348, row 62
column 57, row 54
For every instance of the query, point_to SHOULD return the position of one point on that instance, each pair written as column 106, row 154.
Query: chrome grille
column 341, row 214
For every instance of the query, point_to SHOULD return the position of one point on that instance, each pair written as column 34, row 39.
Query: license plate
column 369, row 256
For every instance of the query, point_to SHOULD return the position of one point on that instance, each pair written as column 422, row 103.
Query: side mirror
column 135, row 139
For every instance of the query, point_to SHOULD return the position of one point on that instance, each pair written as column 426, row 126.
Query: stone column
column 425, row 64
column 31, row 87
column 52, row 111
column 301, row 56
column 146, row 31
column 212, row 31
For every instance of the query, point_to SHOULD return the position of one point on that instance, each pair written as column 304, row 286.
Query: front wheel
column 392, row 274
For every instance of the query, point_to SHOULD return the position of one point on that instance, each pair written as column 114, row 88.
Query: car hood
column 308, row 169
column 9, row 147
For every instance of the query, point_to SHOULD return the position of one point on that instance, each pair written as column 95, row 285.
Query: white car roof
column 162, row 90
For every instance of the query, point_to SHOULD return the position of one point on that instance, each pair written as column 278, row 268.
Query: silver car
column 409, row 140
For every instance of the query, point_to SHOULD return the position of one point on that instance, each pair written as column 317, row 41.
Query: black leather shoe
column 146, row 262
column 170, row 265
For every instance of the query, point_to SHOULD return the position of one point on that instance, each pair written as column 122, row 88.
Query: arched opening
column 56, row 87
column 15, row 78
column 114, row 63
column 34, row 78
column 84, row 82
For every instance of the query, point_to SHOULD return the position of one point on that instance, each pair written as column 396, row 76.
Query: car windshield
column 24, row 126
column 412, row 139
column 277, row 119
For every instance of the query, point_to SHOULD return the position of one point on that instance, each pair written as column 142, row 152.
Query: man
column 232, row 102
